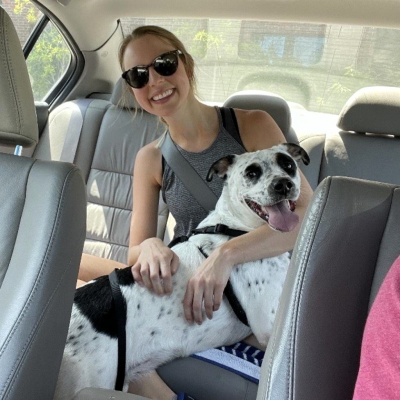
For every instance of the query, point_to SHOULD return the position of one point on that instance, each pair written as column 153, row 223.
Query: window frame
column 58, row 93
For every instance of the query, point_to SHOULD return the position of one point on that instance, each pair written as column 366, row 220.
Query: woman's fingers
column 166, row 277
column 155, row 278
column 174, row 263
column 188, row 303
column 136, row 274
column 198, row 304
column 145, row 274
column 218, row 293
column 209, row 301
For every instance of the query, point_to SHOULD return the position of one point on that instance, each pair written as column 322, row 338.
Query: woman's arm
column 150, row 258
column 258, row 131
column 146, row 187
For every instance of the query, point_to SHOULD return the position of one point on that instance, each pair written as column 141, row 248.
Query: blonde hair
column 167, row 37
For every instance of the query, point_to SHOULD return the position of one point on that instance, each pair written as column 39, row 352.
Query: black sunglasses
column 166, row 64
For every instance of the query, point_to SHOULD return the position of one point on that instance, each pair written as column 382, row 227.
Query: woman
column 161, row 76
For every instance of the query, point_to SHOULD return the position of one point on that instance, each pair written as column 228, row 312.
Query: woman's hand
column 156, row 262
column 207, row 284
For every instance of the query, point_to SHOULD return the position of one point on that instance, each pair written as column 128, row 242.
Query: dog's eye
column 251, row 174
column 288, row 166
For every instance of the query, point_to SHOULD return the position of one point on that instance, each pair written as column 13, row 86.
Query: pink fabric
column 379, row 374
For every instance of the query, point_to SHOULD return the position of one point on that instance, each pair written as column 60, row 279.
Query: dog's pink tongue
column 281, row 218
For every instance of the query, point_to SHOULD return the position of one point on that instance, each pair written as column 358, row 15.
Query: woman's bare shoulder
column 253, row 117
column 148, row 161
column 258, row 129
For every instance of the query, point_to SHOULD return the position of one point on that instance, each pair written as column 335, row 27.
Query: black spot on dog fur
column 253, row 173
column 287, row 164
column 95, row 302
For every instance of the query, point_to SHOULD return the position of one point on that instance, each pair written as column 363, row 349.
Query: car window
column 49, row 57
column 316, row 65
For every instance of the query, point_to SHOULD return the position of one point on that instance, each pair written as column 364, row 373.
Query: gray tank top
column 183, row 206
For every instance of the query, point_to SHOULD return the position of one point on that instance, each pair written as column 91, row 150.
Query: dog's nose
column 283, row 186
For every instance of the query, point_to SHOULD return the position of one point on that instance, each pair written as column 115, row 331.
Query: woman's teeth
column 163, row 95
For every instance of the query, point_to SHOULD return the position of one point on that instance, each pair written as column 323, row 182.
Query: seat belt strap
column 188, row 175
column 74, row 129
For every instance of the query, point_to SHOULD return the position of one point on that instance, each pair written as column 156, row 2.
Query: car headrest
column 18, row 122
column 273, row 104
column 123, row 97
column 372, row 110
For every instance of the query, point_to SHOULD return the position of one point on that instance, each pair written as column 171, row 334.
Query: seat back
column 273, row 104
column 42, row 230
column 112, row 134
column 347, row 242
column 366, row 145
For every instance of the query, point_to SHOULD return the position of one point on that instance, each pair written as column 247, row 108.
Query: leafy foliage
column 48, row 61
column 49, row 57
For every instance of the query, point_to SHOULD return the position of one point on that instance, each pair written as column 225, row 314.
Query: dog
column 259, row 187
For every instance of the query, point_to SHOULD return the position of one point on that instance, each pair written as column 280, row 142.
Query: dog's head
column 263, row 186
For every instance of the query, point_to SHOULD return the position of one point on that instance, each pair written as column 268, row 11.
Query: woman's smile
column 163, row 96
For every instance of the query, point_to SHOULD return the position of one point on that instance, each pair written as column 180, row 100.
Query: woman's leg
column 152, row 387
column 92, row 267
column 80, row 283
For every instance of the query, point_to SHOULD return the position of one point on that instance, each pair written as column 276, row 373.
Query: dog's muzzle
column 280, row 216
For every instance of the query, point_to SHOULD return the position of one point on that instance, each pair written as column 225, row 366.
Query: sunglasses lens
column 167, row 64
column 137, row 77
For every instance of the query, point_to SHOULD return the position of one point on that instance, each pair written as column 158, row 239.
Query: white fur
column 157, row 331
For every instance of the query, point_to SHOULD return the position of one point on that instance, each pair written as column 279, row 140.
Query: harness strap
column 235, row 303
column 228, row 291
column 219, row 228
column 120, row 316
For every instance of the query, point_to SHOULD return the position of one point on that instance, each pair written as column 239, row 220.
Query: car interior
column 71, row 190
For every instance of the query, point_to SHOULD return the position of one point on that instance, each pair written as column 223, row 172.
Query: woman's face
column 163, row 95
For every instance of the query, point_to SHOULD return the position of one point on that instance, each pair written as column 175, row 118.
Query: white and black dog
column 259, row 188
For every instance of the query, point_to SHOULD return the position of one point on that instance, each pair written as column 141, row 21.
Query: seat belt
column 188, row 175
column 74, row 130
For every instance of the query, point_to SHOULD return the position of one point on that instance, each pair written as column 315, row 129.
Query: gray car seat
column 365, row 146
column 111, row 135
column 274, row 105
column 346, row 245
column 42, row 229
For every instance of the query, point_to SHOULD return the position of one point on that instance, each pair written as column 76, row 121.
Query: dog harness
column 120, row 308
column 219, row 229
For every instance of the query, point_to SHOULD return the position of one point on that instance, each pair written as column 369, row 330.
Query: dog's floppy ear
column 220, row 167
column 297, row 152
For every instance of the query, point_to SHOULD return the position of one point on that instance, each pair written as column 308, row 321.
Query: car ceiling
column 93, row 22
